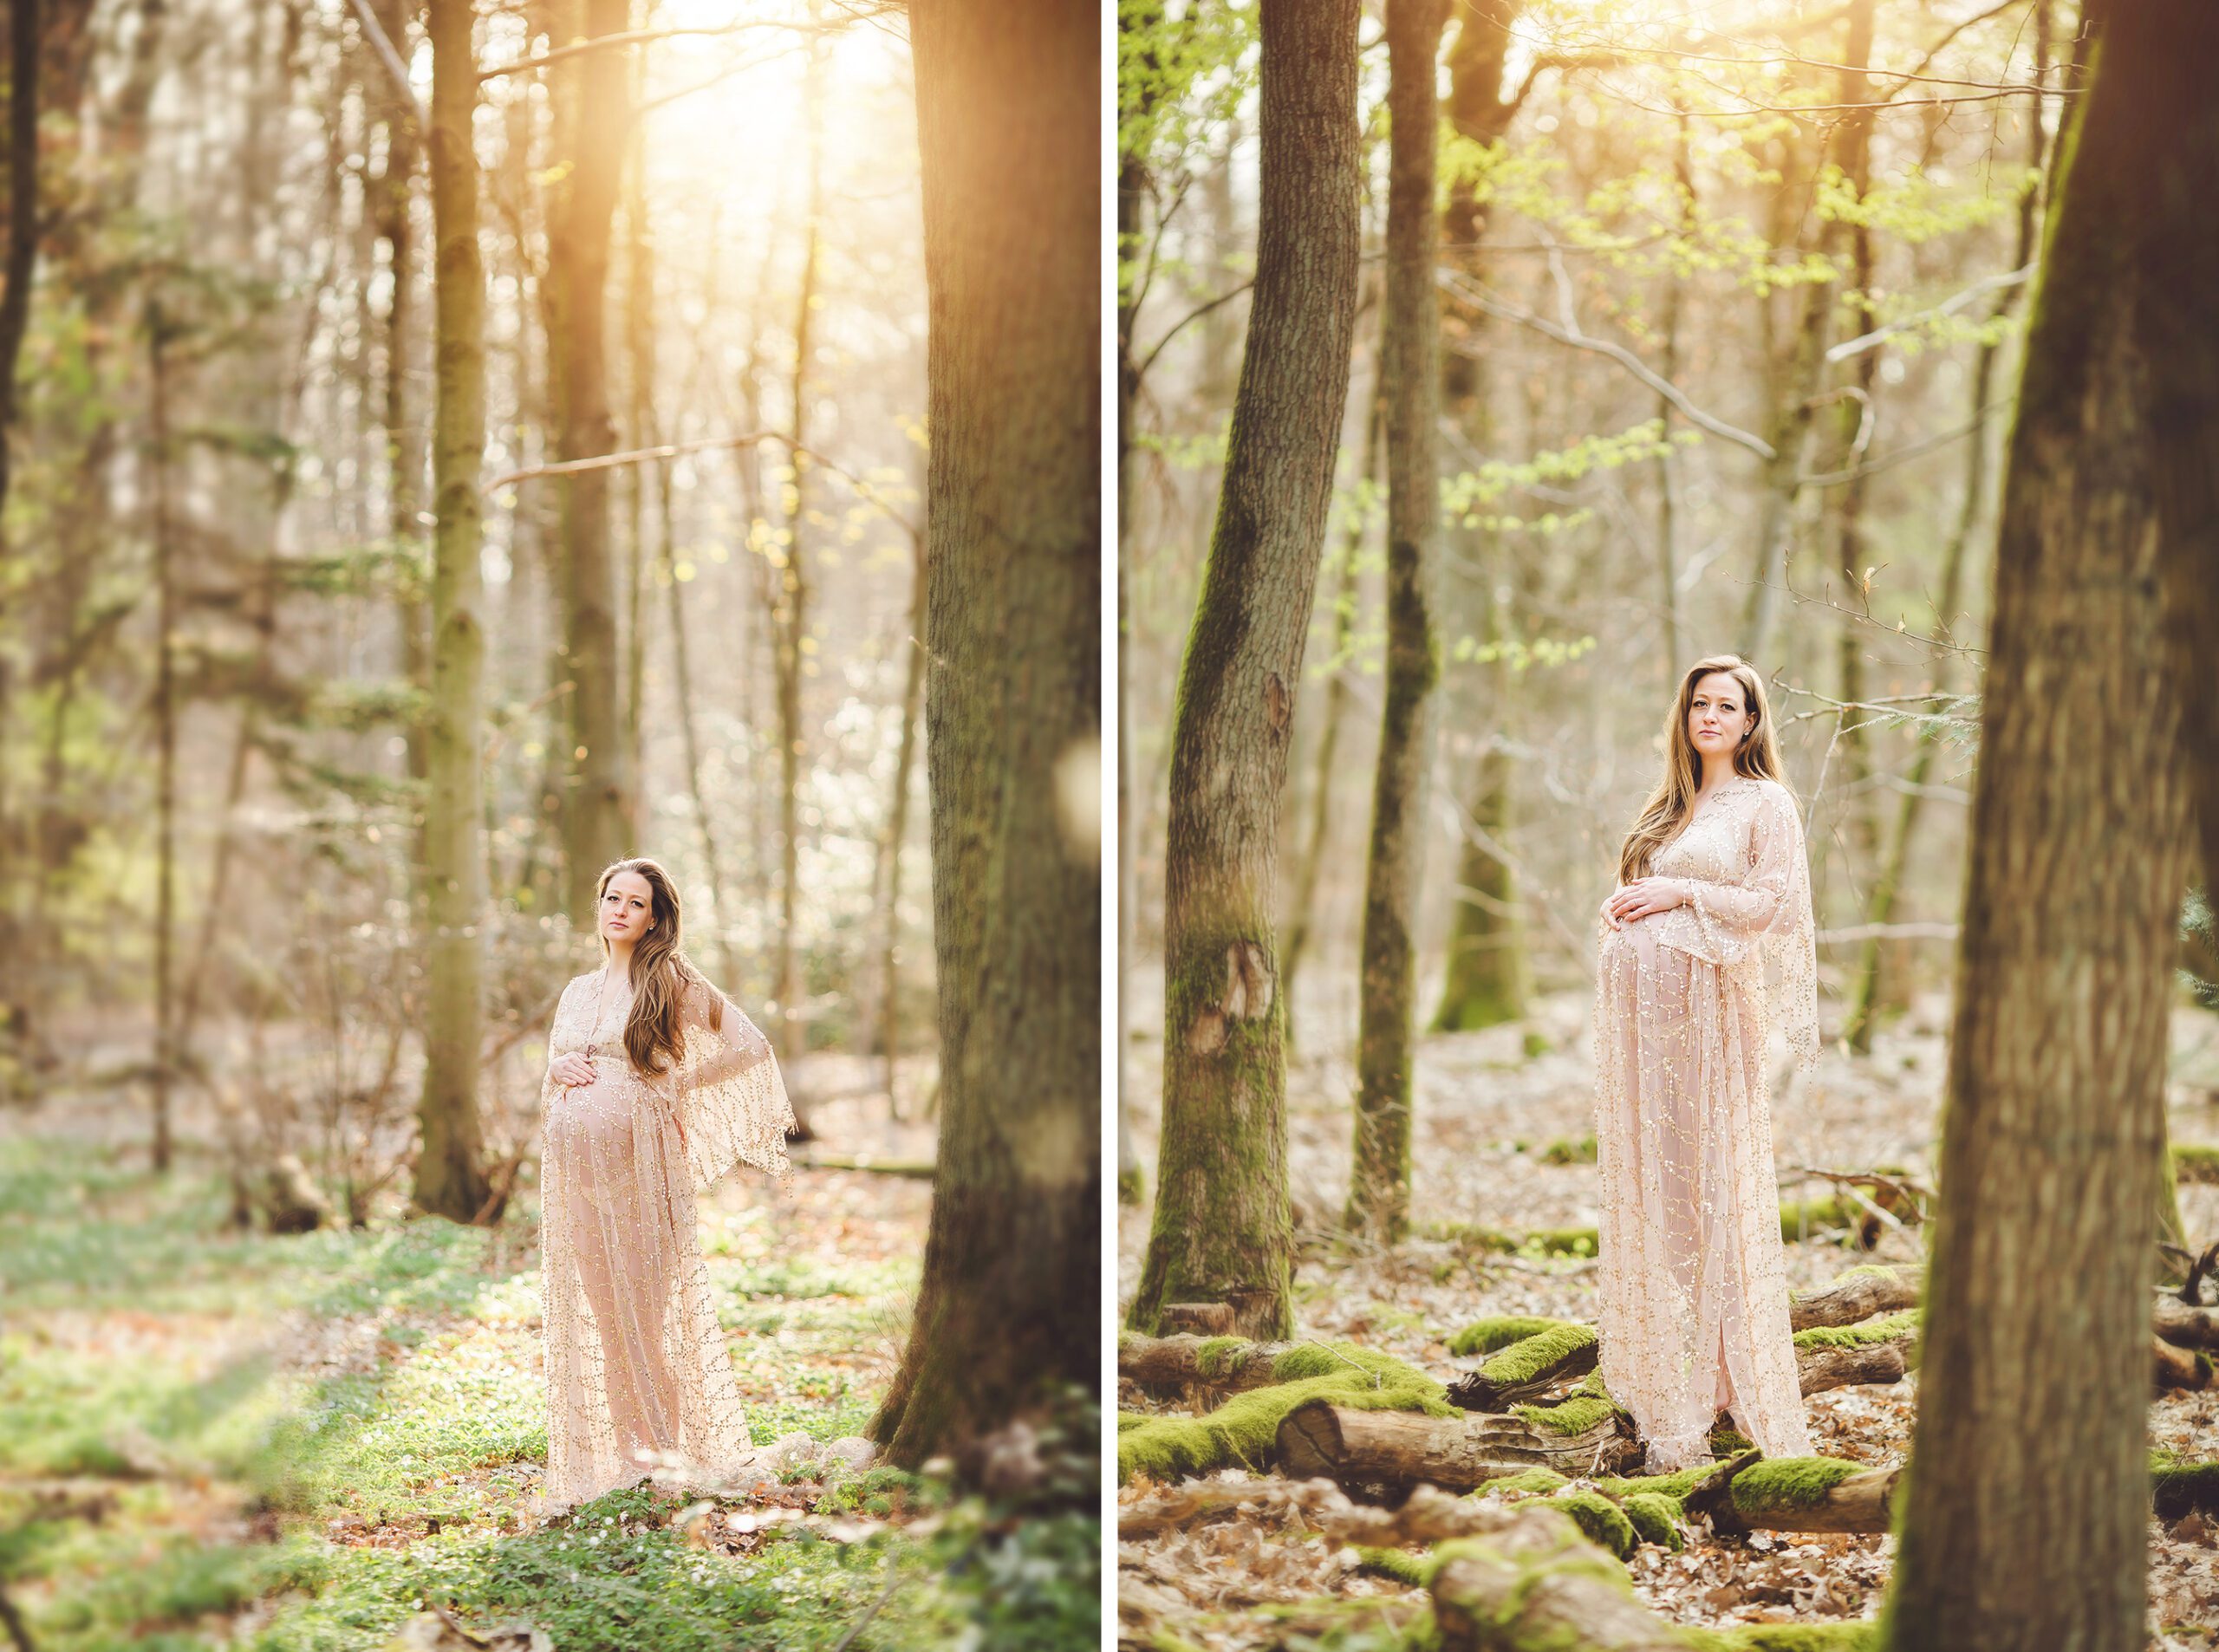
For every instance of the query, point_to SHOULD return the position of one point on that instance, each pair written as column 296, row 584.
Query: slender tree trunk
column 591, row 101
column 1010, row 1306
column 1486, row 977
column 1876, row 986
column 1409, row 362
column 24, row 39
column 1854, row 418
column 2054, row 1121
column 450, row 1179
column 404, row 448
column 1223, row 1228
column 165, row 733
column 640, row 358
column 791, row 613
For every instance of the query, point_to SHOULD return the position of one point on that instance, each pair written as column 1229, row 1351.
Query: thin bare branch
column 1865, row 342
column 1472, row 293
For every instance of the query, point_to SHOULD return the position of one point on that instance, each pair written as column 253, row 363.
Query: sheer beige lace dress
column 635, row 1363
column 1695, row 1293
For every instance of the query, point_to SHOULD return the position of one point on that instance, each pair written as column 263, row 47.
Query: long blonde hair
column 1758, row 755
column 659, row 969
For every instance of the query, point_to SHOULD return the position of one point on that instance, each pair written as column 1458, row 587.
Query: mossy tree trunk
column 1008, row 108
column 1409, row 364
column 450, row 1179
column 591, row 96
column 1223, row 1229
column 2054, row 1120
column 1486, row 978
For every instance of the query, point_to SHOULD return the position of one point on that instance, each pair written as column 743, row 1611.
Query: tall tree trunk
column 1007, row 113
column 640, row 360
column 790, row 612
column 1876, row 986
column 404, row 447
column 2054, row 1120
column 451, row 1179
column 1485, row 981
column 1223, row 1228
column 1409, row 363
column 591, row 101
column 165, row 731
column 1854, row 418
column 23, row 40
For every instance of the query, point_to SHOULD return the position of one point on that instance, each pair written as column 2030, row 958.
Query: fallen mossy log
column 2183, row 1326
column 2194, row 1161
column 2179, row 1367
column 1537, row 1585
column 1856, row 1295
column 1584, row 1435
column 1173, row 1362
column 1837, row 1357
column 1243, row 1432
column 1528, row 1368
column 2179, row 1489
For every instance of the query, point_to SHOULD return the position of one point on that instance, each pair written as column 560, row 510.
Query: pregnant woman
column 1707, row 945
column 656, row 1085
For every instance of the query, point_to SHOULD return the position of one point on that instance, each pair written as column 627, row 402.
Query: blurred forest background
column 1667, row 331
column 450, row 446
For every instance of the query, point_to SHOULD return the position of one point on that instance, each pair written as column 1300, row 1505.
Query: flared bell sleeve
column 726, row 1092
column 1764, row 921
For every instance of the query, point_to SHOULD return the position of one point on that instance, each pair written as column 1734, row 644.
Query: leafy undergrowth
column 1493, row 1109
column 302, row 1444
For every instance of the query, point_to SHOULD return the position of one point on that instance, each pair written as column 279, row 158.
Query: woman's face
column 1718, row 715
column 626, row 905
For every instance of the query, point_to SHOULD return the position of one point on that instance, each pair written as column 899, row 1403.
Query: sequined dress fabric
column 1695, row 1318
column 635, row 1362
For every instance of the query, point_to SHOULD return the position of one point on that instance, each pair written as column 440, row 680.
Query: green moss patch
column 1536, row 1481
column 1604, row 1521
column 1415, row 1569
column 1565, row 1150
column 1490, row 1335
column 1586, row 1406
column 1788, row 1637
column 2193, row 1161
column 1791, row 1482
column 1656, row 1519
column 1242, row 1432
column 2178, row 1488
column 1218, row 1356
column 1524, row 1361
column 1885, row 1329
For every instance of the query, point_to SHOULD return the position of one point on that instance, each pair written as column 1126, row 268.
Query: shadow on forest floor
column 216, row 1438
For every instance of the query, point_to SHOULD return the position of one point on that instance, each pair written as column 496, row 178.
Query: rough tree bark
column 1223, row 1229
column 451, row 1178
column 2055, row 1113
column 591, row 94
column 1379, row 1184
column 1008, row 110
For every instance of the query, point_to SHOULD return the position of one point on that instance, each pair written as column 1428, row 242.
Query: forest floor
column 333, row 1442
column 1489, row 1107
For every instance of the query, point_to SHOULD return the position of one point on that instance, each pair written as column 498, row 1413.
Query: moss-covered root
column 2194, row 1161
column 1527, row 1370
column 1791, row 1494
column 1169, row 1363
column 1415, row 1569
column 1538, row 1583
column 1589, row 1406
column 1888, row 1327
column 1656, row 1519
column 1606, row 1524
column 1863, row 1636
column 1241, row 1431
column 1492, row 1336
column 2177, row 1489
